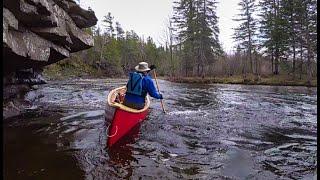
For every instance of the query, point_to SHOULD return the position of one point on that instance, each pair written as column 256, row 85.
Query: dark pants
column 133, row 105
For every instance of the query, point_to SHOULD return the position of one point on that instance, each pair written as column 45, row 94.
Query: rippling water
column 210, row 131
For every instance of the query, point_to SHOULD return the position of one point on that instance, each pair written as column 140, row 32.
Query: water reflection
column 121, row 155
column 121, row 152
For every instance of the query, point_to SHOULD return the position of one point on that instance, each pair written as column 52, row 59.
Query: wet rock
column 40, row 32
column 10, row 110
column 30, row 77
column 82, row 18
column 35, row 87
column 32, row 96
column 37, row 33
column 15, row 91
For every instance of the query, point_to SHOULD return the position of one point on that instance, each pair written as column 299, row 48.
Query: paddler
column 139, row 85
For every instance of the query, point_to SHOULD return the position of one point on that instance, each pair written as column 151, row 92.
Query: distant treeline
column 273, row 37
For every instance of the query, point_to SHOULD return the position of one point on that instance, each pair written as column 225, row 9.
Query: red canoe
column 122, row 118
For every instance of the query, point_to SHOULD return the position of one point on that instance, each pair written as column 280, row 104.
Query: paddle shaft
column 155, row 77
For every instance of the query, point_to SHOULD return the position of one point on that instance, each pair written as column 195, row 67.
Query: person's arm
column 151, row 89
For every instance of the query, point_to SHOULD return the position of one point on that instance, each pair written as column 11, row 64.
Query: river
column 211, row 131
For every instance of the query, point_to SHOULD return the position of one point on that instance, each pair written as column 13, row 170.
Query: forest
column 275, row 39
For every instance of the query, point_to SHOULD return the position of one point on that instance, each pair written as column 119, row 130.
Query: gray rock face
column 41, row 32
column 37, row 33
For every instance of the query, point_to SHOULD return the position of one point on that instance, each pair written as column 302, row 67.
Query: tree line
column 273, row 37
column 283, row 31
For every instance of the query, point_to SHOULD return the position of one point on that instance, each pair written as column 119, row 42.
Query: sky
column 149, row 17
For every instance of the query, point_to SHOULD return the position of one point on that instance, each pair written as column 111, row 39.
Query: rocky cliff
column 37, row 33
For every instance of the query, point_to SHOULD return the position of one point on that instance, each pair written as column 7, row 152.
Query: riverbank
column 68, row 70
column 58, row 72
column 275, row 80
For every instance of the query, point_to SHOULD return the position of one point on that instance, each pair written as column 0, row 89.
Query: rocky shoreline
column 37, row 33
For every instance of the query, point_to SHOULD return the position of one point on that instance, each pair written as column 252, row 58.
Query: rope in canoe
column 114, row 133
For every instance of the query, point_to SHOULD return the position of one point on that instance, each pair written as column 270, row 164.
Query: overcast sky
column 148, row 17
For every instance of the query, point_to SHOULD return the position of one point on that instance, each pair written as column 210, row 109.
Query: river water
column 211, row 131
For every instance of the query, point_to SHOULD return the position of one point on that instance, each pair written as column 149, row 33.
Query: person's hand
column 152, row 67
column 161, row 97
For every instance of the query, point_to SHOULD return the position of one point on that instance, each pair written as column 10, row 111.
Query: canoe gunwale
column 111, row 98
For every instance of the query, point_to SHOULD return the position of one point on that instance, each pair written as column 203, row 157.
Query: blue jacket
column 147, row 86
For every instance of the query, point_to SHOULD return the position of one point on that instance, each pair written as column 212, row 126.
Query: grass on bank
column 285, row 80
column 74, row 69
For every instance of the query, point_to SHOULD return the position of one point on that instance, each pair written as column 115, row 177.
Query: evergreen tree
column 308, row 22
column 151, row 52
column 273, row 31
column 120, row 32
column 300, row 17
column 196, row 25
column 290, row 13
column 208, row 34
column 245, row 34
column 99, row 42
column 184, row 19
column 108, row 23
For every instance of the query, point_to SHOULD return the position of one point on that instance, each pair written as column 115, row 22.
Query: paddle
column 155, row 77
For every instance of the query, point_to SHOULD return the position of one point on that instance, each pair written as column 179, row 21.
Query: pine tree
column 290, row 9
column 120, row 32
column 99, row 42
column 197, row 29
column 273, row 31
column 303, row 22
column 108, row 23
column 245, row 34
column 170, row 33
column 309, row 33
column 184, row 19
column 208, row 46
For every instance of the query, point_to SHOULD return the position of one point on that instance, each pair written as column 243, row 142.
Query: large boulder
column 40, row 32
column 37, row 33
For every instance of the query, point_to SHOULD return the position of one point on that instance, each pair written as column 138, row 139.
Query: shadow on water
column 28, row 154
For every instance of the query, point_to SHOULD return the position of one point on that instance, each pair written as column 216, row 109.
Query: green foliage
column 192, row 47
column 112, row 55
column 108, row 24
column 196, row 24
column 288, row 30
column 112, row 52
column 245, row 34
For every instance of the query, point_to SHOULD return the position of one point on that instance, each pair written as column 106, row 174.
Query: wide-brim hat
column 142, row 67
